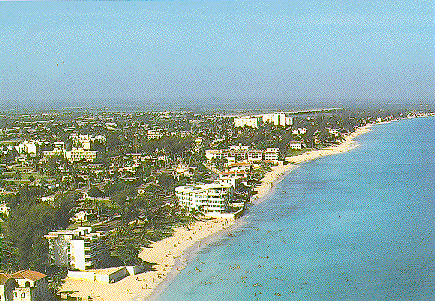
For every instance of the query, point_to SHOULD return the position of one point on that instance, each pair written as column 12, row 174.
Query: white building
column 239, row 167
column 27, row 147
column 296, row 144
column 207, row 198
column 239, row 147
column 211, row 154
column 271, row 154
column 78, row 154
column 278, row 119
column 183, row 170
column 334, row 132
column 228, row 179
column 4, row 209
column 78, row 249
column 155, row 134
column 243, row 154
column 255, row 155
column 48, row 198
column 243, row 121
column 299, row 131
column 84, row 141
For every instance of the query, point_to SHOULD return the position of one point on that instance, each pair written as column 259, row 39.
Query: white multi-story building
column 251, row 121
column 211, row 154
column 207, row 198
column 278, row 119
column 271, row 154
column 78, row 249
column 78, row 154
column 248, row 155
column 255, row 155
column 27, row 147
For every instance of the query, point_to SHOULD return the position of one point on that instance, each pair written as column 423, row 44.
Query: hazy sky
column 360, row 50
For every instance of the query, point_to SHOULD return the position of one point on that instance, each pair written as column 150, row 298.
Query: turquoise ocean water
column 353, row 226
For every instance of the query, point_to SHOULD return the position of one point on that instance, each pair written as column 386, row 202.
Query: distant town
column 82, row 193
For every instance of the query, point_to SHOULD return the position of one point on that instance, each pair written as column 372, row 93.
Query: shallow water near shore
column 353, row 226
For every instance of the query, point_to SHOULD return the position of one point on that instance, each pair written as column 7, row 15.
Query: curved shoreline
column 264, row 191
column 189, row 255
column 279, row 172
column 172, row 254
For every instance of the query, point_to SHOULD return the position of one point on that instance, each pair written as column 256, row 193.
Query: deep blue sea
column 353, row 226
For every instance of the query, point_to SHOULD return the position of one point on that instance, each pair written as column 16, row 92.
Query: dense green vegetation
column 142, row 219
column 24, row 245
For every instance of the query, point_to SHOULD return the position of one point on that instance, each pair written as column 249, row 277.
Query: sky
column 223, row 51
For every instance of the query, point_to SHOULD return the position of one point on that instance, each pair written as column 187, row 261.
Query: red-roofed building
column 25, row 285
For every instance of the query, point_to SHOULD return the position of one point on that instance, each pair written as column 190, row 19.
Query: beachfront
column 166, row 254
column 278, row 172
column 169, row 255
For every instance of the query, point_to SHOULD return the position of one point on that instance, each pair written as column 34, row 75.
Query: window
column 23, row 295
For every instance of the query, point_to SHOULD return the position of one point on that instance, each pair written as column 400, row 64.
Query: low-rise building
column 296, row 144
column 107, row 275
column 245, row 154
column 25, row 285
column 79, row 154
column 334, row 132
column 183, row 170
column 229, row 178
column 48, row 198
column 239, row 167
column 299, row 131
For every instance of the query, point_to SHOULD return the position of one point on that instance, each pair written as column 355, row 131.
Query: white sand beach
column 163, row 253
column 169, row 254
